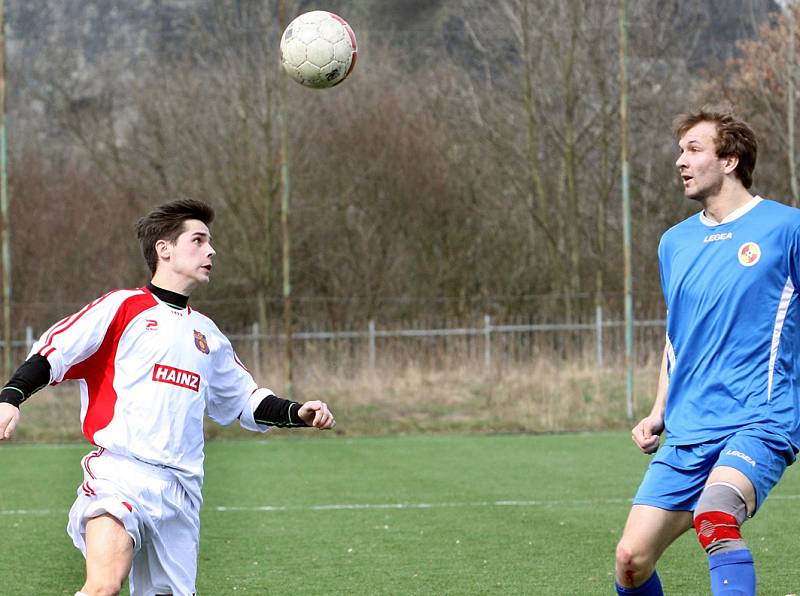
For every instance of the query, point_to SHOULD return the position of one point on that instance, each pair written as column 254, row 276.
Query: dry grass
column 544, row 396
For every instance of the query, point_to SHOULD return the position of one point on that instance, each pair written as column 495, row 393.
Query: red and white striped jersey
column 148, row 373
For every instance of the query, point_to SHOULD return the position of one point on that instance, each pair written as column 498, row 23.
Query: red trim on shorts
column 88, row 490
column 98, row 370
column 89, row 457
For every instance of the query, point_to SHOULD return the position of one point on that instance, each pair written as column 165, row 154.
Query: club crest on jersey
column 176, row 376
column 200, row 342
column 749, row 254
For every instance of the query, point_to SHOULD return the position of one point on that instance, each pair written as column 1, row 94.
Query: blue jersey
column 733, row 323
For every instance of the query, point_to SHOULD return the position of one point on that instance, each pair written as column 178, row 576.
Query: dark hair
column 734, row 137
column 165, row 222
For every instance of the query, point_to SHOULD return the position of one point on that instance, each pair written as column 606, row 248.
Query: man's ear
column 730, row 163
column 163, row 250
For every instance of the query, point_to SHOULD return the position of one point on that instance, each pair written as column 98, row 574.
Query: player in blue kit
column 727, row 397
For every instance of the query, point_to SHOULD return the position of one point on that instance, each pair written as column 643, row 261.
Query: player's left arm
column 267, row 409
column 793, row 256
column 234, row 394
column 317, row 414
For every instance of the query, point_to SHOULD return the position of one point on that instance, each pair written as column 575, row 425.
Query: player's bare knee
column 624, row 555
column 719, row 515
column 633, row 565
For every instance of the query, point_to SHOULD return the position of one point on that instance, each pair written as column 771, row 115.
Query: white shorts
column 156, row 511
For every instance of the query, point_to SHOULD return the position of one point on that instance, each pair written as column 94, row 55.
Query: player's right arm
column 68, row 342
column 9, row 418
column 647, row 433
column 28, row 378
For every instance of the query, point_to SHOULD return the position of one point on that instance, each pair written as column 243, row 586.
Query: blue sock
column 652, row 587
column 732, row 573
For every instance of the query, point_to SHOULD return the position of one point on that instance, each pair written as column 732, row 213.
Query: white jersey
column 148, row 372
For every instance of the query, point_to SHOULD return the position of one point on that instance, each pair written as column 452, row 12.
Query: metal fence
column 599, row 340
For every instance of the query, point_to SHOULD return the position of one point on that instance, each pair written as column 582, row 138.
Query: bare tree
column 762, row 82
column 474, row 173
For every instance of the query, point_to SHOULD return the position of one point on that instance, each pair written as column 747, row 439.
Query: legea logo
column 718, row 237
column 741, row 455
column 176, row 376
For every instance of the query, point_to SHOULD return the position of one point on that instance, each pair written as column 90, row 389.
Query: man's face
column 189, row 259
column 701, row 170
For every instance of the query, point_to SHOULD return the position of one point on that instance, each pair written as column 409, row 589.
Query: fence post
column 256, row 334
column 487, row 343
column 372, row 345
column 28, row 337
column 598, row 325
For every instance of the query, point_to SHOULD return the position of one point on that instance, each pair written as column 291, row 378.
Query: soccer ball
column 318, row 49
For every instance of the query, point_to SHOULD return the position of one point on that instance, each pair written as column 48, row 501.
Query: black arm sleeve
column 275, row 411
column 28, row 379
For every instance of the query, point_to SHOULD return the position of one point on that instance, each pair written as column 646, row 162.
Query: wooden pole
column 5, row 228
column 626, row 203
column 285, row 196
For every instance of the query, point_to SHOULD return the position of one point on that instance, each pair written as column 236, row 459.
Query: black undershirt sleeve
column 275, row 411
column 27, row 380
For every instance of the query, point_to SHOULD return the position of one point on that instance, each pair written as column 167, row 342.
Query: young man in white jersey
column 149, row 368
column 727, row 392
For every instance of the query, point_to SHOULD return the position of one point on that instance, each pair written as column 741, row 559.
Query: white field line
column 387, row 506
column 446, row 505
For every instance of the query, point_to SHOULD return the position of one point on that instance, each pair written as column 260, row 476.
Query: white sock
column 80, row 594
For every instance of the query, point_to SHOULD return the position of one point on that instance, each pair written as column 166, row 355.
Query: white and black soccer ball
column 318, row 49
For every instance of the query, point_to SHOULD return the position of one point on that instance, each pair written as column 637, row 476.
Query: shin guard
column 732, row 573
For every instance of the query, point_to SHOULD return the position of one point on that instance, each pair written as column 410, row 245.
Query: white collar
column 733, row 215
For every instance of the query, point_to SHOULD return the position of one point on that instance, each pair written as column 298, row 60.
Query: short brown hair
column 165, row 222
column 735, row 138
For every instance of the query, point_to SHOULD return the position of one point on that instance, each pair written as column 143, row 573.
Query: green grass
column 443, row 514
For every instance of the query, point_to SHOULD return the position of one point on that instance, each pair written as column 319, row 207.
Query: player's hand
column 647, row 433
column 9, row 417
column 316, row 413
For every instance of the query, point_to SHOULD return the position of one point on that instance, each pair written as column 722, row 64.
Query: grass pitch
column 442, row 514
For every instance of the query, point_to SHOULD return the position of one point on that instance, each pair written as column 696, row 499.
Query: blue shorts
column 678, row 473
